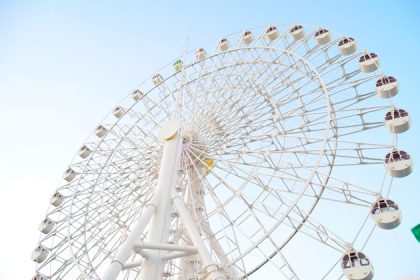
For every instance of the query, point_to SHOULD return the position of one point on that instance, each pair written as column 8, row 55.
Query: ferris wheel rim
column 328, row 122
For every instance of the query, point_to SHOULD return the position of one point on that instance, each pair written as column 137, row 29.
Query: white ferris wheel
column 271, row 157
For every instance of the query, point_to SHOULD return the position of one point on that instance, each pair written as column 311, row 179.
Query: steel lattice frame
column 279, row 119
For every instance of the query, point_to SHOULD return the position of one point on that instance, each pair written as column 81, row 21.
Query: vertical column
column 153, row 266
column 209, row 265
column 156, row 214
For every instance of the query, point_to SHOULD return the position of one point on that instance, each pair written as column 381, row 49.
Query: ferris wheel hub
column 169, row 130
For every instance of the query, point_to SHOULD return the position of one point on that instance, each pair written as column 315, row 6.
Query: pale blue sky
column 65, row 64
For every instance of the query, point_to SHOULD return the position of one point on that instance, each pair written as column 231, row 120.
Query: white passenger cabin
column 157, row 79
column 356, row 266
column 69, row 175
column 57, row 199
column 387, row 87
column 386, row 214
column 297, row 32
column 84, row 152
column 272, row 33
column 40, row 254
column 369, row 62
column 223, row 45
column 247, row 37
column 118, row 112
column 46, row 226
column 347, row 46
column 322, row 36
column 137, row 95
column 398, row 163
column 200, row 54
column 397, row 121
column 101, row 131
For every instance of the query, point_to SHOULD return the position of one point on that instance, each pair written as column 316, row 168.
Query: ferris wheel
column 272, row 155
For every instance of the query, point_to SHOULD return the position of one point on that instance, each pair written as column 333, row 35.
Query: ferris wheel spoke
column 194, row 94
column 289, row 94
column 226, row 129
column 355, row 157
column 215, row 116
column 309, row 226
column 195, row 177
column 355, row 154
column 340, row 85
column 214, row 85
column 335, row 190
column 311, row 54
column 145, row 117
column 255, row 121
column 303, row 43
column 244, row 93
column 342, row 114
column 337, row 64
column 284, row 266
column 349, row 193
column 285, row 269
column 222, row 181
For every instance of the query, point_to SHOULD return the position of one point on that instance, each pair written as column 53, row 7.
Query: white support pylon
column 153, row 266
column 126, row 248
column 158, row 210
column 209, row 265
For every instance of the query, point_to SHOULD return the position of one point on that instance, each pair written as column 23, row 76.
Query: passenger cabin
column 397, row 121
column 398, row 163
column 369, row 62
column 84, row 152
column 69, row 175
column 207, row 165
column 356, row 266
column 118, row 112
column 137, row 95
column 57, row 199
column 157, row 79
column 200, row 54
column 178, row 65
column 297, row 32
column 40, row 254
column 347, row 46
column 272, row 33
column 247, row 37
column 101, row 131
column 386, row 213
column 46, row 226
column 387, row 87
column 322, row 36
column 223, row 45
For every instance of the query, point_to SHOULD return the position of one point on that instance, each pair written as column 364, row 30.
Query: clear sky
column 65, row 64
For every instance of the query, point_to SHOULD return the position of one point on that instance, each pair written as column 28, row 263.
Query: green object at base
column 416, row 231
